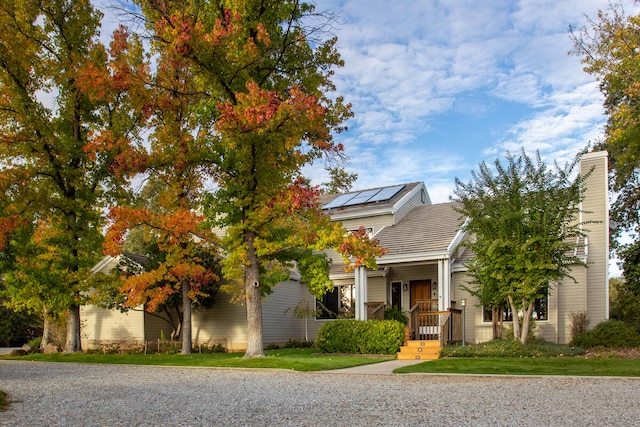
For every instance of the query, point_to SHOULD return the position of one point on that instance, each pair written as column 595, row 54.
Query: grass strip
column 304, row 360
column 568, row 366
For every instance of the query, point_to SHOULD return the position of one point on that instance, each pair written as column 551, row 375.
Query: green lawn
column 307, row 359
column 529, row 366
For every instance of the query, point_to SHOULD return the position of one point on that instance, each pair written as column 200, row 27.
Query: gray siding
column 377, row 290
column 595, row 208
column 225, row 321
column 412, row 202
column 280, row 322
column 376, row 222
column 156, row 326
column 102, row 325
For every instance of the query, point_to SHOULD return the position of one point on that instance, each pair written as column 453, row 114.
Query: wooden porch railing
column 375, row 310
column 425, row 323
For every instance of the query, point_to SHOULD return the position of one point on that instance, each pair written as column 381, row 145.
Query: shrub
column 272, row 346
column 610, row 334
column 298, row 344
column 579, row 323
column 212, row 348
column 394, row 313
column 361, row 337
column 510, row 348
column 35, row 344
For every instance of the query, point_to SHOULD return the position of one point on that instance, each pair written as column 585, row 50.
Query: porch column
column 361, row 292
column 444, row 285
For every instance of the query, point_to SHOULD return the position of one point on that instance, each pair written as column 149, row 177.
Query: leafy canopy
column 523, row 227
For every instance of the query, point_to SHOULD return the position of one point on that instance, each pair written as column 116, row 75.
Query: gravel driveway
column 61, row 394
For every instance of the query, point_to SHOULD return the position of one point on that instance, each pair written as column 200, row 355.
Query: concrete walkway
column 382, row 368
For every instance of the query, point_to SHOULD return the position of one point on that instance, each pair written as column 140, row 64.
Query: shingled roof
column 429, row 228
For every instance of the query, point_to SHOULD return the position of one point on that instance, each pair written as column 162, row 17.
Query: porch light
column 463, row 302
column 404, row 286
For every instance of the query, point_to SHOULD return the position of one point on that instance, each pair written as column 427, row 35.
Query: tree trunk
column 186, row 318
column 496, row 322
column 47, row 333
column 253, row 301
column 72, row 342
column 525, row 322
column 516, row 321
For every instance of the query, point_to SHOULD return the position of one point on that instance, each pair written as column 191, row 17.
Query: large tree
column 168, row 212
column 523, row 221
column 610, row 47
column 67, row 125
column 265, row 66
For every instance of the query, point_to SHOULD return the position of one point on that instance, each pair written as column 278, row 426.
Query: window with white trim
column 540, row 311
column 339, row 303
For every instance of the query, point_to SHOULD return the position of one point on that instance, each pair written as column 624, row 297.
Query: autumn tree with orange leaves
column 177, row 167
column 265, row 67
column 69, row 116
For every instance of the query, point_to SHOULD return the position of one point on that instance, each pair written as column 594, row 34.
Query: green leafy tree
column 625, row 303
column 265, row 67
column 340, row 181
column 630, row 256
column 523, row 222
column 610, row 47
column 68, row 123
column 17, row 326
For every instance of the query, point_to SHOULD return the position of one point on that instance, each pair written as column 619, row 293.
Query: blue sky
column 439, row 86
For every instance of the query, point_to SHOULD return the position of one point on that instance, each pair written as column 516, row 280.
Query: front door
column 420, row 289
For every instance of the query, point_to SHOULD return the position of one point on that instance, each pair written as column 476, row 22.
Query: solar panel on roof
column 367, row 196
column 362, row 197
column 339, row 201
column 386, row 193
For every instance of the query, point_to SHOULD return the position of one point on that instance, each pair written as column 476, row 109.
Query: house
column 224, row 323
column 423, row 274
column 424, row 271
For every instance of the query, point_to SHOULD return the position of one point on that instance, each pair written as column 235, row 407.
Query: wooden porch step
column 420, row 350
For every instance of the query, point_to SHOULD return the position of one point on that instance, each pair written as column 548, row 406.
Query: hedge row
column 610, row 334
column 361, row 337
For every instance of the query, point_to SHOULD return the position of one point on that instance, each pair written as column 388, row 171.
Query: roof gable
column 428, row 228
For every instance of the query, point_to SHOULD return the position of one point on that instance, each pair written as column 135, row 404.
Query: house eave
column 102, row 263
column 413, row 257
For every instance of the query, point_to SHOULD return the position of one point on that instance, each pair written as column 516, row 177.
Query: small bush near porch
column 361, row 337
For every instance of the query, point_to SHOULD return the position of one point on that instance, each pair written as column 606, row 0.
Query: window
column 369, row 231
column 540, row 311
column 337, row 304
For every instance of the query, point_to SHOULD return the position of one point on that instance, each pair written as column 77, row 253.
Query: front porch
column 428, row 331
